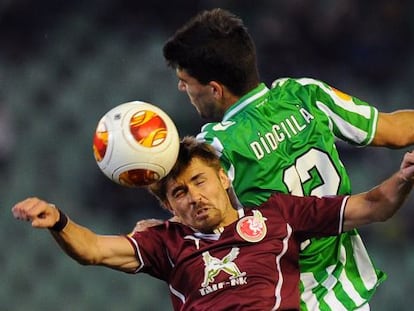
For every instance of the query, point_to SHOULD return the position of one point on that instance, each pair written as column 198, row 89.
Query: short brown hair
column 215, row 46
column 190, row 148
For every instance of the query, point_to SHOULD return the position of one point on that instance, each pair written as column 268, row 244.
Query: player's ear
column 225, row 180
column 168, row 207
column 217, row 89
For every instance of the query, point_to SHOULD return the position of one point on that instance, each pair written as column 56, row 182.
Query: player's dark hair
column 215, row 46
column 190, row 148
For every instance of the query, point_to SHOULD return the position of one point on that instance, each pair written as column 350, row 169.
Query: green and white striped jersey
column 283, row 139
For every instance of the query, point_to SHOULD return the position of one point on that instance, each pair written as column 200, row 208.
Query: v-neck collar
column 217, row 232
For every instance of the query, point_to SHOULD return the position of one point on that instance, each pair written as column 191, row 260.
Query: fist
column 407, row 167
column 40, row 213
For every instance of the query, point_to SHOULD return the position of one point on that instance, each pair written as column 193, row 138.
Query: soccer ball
column 136, row 144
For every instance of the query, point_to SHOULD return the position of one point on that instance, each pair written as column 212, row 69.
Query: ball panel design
column 138, row 177
column 100, row 141
column 135, row 144
column 148, row 128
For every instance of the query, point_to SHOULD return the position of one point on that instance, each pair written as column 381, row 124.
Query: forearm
column 395, row 129
column 381, row 202
column 78, row 242
column 85, row 246
column 385, row 199
column 89, row 248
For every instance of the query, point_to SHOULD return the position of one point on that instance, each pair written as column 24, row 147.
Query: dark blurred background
column 63, row 64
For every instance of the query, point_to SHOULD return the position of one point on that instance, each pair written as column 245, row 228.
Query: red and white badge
column 252, row 228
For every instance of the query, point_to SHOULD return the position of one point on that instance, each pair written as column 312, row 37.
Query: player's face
column 202, row 96
column 199, row 197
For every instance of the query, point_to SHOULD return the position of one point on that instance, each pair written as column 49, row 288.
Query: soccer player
column 283, row 139
column 218, row 257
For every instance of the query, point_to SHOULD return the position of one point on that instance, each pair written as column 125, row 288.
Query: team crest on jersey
column 252, row 228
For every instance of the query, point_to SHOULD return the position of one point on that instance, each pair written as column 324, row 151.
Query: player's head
column 215, row 46
column 195, row 190
column 190, row 148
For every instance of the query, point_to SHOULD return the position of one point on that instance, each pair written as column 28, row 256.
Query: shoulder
column 288, row 203
column 167, row 234
column 298, row 82
column 278, row 198
column 218, row 134
column 217, row 126
column 298, row 89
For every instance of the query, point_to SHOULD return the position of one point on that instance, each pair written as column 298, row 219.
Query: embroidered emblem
column 213, row 266
column 252, row 228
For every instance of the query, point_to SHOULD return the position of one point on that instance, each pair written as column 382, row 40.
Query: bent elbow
column 383, row 217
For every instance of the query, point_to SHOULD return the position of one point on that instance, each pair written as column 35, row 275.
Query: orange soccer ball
column 136, row 144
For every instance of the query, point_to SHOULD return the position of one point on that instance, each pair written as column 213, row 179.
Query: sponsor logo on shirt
column 213, row 267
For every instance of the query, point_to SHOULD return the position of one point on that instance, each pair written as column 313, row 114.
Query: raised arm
column 381, row 202
column 395, row 129
column 80, row 243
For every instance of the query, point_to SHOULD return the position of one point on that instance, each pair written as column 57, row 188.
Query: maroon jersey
column 251, row 264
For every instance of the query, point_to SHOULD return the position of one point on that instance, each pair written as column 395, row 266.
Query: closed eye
column 178, row 192
column 199, row 179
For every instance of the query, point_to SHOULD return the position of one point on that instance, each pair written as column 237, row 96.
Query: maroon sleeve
column 151, row 251
column 311, row 216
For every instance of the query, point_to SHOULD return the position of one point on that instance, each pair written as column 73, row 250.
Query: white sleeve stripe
column 279, row 284
column 177, row 294
column 342, row 215
column 347, row 130
column 348, row 105
column 374, row 126
column 137, row 252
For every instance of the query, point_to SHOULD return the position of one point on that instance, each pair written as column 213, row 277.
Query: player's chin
column 205, row 225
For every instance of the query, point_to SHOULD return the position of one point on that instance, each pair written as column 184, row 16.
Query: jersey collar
column 254, row 95
column 218, row 231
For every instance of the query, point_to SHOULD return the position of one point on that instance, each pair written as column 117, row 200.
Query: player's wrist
column 405, row 179
column 61, row 223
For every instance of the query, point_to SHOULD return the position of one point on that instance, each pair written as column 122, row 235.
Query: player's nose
column 194, row 195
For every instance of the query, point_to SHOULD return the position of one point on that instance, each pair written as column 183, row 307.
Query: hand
column 143, row 225
column 41, row 214
column 407, row 167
